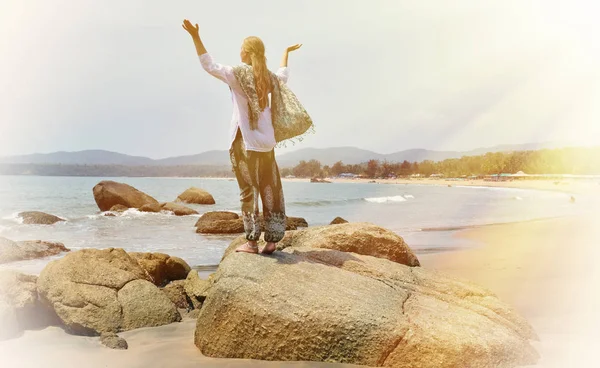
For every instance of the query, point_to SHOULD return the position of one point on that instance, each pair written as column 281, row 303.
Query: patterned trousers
column 257, row 175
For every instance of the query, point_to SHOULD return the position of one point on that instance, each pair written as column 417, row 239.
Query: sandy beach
column 574, row 186
column 545, row 269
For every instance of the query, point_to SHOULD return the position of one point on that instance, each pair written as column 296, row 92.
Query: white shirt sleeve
column 220, row 71
column 283, row 74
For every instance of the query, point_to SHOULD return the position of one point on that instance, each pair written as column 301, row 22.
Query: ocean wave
column 397, row 198
column 14, row 217
column 329, row 202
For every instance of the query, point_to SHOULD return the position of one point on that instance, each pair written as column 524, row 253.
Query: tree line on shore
column 572, row 160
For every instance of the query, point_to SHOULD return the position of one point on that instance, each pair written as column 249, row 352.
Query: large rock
column 20, row 308
column 361, row 238
column 39, row 218
column 95, row 291
column 161, row 267
column 196, row 195
column 108, row 193
column 11, row 251
column 325, row 305
column 177, row 209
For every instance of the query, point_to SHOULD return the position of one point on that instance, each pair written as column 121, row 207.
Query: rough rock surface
column 196, row 289
column 175, row 291
column 39, row 218
column 108, row 193
column 162, row 267
column 177, row 209
column 360, row 237
column 11, row 251
column 95, row 291
column 196, row 195
column 326, row 305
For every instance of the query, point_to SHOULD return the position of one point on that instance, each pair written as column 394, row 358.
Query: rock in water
column 224, row 222
column 338, row 220
column 177, row 209
column 11, row 251
column 196, row 195
column 39, row 218
column 108, row 193
column 113, row 341
column 15, row 251
column 325, row 305
column 95, row 291
column 361, row 238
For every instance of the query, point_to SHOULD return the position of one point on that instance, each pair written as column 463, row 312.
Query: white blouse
column 261, row 139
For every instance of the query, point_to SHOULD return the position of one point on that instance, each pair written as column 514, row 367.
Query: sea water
column 425, row 216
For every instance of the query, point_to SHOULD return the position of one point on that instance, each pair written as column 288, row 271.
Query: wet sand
column 548, row 271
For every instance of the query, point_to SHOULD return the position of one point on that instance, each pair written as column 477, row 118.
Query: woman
column 252, row 138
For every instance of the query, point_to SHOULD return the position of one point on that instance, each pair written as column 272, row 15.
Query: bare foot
column 269, row 248
column 248, row 248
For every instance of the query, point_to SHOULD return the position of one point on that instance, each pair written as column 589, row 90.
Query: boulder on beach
column 308, row 304
column 95, row 291
column 162, row 267
column 11, row 251
column 318, row 180
column 177, row 209
column 39, row 218
column 20, row 308
column 175, row 291
column 108, row 193
column 361, row 238
column 195, row 195
column 338, row 220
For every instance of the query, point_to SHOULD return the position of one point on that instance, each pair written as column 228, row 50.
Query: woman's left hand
column 294, row 47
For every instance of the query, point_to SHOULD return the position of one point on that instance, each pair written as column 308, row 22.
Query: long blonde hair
column 255, row 49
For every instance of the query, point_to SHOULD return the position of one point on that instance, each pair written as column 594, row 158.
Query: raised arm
column 194, row 32
column 283, row 72
column 222, row 72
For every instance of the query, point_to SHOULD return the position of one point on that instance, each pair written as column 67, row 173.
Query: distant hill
column 327, row 156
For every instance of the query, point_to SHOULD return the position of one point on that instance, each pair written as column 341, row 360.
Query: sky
column 381, row 75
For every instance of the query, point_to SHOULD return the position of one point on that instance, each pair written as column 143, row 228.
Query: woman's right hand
column 191, row 29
